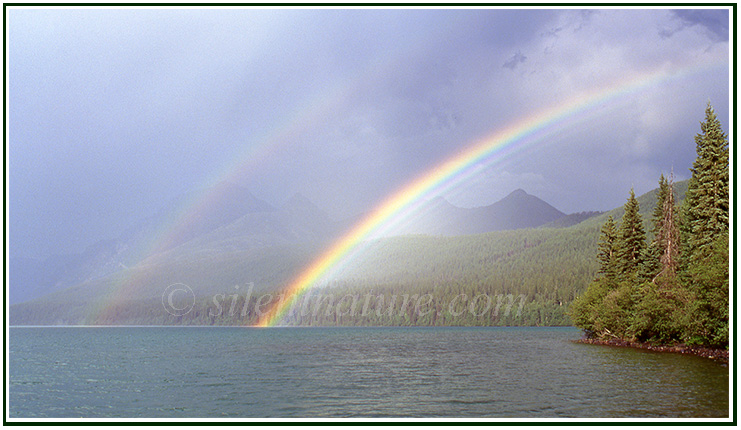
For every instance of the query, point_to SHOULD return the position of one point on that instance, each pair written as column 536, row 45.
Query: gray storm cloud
column 112, row 112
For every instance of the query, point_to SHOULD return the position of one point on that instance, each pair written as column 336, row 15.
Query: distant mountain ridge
column 515, row 211
column 297, row 221
column 549, row 265
column 31, row 278
column 232, row 220
column 571, row 219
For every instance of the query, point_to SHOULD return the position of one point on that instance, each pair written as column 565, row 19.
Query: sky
column 112, row 112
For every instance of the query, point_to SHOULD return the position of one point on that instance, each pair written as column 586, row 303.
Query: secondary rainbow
column 248, row 162
column 518, row 135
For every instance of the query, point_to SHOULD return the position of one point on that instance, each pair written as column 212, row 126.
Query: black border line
column 369, row 422
column 6, row 288
column 734, row 78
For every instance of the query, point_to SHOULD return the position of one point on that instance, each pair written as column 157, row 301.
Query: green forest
column 669, row 284
column 541, row 271
column 452, row 271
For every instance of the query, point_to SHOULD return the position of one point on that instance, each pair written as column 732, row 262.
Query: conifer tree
column 650, row 263
column 706, row 209
column 631, row 240
column 705, row 235
column 606, row 250
column 651, row 254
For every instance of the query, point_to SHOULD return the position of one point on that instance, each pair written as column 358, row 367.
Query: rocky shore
column 720, row 355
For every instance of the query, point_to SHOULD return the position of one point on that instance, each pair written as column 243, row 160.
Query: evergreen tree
column 631, row 241
column 651, row 254
column 706, row 209
column 708, row 280
column 650, row 262
column 606, row 250
column 705, row 236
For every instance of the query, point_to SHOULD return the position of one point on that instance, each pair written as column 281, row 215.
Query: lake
column 232, row 372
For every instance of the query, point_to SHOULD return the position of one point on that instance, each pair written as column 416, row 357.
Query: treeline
column 542, row 270
column 444, row 281
column 343, row 304
column 670, row 284
column 462, row 281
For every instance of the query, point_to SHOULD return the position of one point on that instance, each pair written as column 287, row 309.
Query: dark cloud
column 714, row 22
column 584, row 18
column 114, row 111
column 514, row 61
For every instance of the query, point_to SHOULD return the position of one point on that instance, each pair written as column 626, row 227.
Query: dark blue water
column 350, row 372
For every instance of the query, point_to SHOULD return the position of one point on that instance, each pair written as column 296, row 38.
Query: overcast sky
column 113, row 112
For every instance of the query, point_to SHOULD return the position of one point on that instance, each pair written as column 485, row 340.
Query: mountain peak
column 440, row 201
column 518, row 193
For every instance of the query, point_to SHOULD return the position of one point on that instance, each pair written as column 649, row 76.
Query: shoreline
column 719, row 355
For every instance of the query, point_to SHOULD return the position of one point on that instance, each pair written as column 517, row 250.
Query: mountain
column 515, row 211
column 267, row 249
column 191, row 215
column 571, row 219
column 230, row 219
column 297, row 222
column 223, row 204
column 31, row 278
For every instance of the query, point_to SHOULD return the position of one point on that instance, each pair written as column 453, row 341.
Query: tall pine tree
column 631, row 241
column 652, row 252
column 606, row 250
column 705, row 236
column 706, row 208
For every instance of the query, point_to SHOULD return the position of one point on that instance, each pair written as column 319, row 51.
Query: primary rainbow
column 410, row 197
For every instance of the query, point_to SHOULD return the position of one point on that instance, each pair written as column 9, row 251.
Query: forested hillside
column 545, row 269
column 542, row 270
column 235, row 223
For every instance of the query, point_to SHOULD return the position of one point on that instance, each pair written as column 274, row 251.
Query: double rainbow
column 401, row 204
